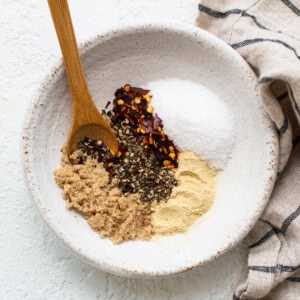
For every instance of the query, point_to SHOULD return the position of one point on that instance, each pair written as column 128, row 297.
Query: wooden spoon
column 86, row 119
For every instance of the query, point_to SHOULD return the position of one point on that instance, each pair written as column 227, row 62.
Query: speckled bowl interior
column 141, row 55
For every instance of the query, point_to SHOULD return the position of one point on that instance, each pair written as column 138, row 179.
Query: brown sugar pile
column 87, row 189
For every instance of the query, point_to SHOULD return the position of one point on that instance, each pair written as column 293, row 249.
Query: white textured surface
column 33, row 264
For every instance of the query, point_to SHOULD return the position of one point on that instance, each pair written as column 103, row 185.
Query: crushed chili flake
column 132, row 103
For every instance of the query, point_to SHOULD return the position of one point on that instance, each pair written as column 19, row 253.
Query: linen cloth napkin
column 267, row 34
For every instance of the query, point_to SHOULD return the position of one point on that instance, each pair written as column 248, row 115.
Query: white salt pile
column 195, row 118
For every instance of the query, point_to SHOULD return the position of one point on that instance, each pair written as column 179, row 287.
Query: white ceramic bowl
column 140, row 55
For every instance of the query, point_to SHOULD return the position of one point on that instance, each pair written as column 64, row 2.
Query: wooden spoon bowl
column 86, row 119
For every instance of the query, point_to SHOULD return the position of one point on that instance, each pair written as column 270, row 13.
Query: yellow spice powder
column 193, row 196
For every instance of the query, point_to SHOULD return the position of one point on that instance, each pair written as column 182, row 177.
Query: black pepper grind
column 146, row 157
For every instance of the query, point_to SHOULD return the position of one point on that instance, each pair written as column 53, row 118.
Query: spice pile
column 133, row 104
column 142, row 190
column 146, row 157
column 87, row 189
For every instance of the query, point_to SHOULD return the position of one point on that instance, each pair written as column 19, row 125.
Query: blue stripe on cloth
column 285, row 225
column 291, row 6
column 274, row 269
column 265, row 80
column 284, row 126
column 260, row 40
column 223, row 15
column 293, row 279
column 270, row 233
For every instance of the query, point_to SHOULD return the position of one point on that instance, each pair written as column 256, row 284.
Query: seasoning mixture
column 136, row 170
column 146, row 155
column 141, row 190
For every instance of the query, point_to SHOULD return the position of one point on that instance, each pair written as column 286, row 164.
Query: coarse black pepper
column 137, row 171
column 146, row 157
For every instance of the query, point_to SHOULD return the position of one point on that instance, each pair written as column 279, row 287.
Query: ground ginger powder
column 193, row 196
column 86, row 189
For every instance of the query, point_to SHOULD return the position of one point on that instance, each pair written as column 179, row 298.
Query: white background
column 33, row 264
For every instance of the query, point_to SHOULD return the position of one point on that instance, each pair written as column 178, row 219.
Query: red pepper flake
column 132, row 104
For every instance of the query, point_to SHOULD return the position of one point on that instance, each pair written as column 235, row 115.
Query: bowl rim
column 28, row 125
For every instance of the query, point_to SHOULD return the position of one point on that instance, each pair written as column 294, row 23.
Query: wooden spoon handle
column 64, row 29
